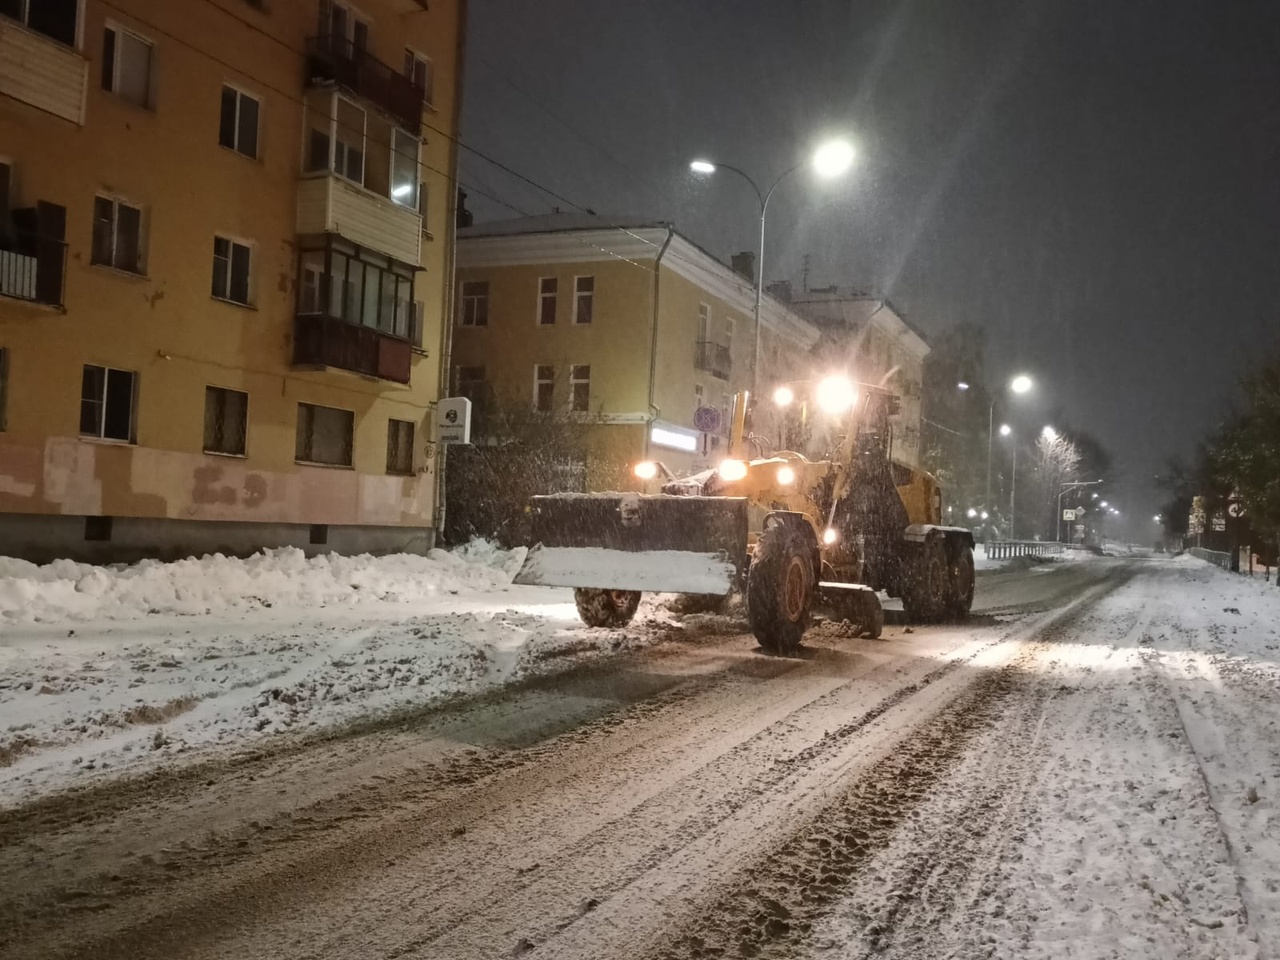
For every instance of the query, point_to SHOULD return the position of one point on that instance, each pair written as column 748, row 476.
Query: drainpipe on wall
column 450, row 277
column 654, row 409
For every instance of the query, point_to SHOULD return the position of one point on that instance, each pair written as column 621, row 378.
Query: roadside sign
column 707, row 419
column 1219, row 523
column 453, row 420
column 1068, row 514
column 1236, row 509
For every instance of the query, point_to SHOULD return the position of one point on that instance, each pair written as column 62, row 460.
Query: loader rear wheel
column 780, row 587
column 926, row 600
column 606, row 608
column 962, row 578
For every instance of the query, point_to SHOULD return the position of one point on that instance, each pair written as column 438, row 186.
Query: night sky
column 1096, row 183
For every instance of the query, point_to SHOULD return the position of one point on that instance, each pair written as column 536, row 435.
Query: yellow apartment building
column 626, row 325
column 225, row 256
column 871, row 336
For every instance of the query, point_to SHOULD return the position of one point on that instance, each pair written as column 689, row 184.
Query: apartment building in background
column 225, row 256
column 870, row 336
column 621, row 323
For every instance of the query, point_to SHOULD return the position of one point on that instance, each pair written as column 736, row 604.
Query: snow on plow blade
column 661, row 543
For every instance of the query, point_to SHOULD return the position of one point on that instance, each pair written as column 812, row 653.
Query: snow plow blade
column 658, row 543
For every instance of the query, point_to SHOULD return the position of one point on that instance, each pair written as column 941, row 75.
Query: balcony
column 33, row 265
column 321, row 341
column 330, row 204
column 712, row 358
column 42, row 72
column 336, row 58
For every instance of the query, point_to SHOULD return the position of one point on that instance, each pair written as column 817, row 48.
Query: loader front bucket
column 658, row 543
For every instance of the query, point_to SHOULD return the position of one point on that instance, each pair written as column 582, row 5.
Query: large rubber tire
column 870, row 616
column 606, row 608
column 780, row 588
column 962, row 579
column 926, row 599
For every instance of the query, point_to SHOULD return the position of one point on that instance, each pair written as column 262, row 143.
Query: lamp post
column 1007, row 431
column 830, row 160
column 1019, row 384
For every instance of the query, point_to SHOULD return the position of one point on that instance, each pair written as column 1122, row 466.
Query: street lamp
column 830, row 160
column 1019, row 384
column 1007, row 431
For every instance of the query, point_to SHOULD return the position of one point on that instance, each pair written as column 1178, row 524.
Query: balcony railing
column 32, row 267
column 713, row 358
column 322, row 341
column 335, row 57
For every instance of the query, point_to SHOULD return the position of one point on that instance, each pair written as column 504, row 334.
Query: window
column 475, row 303
column 231, row 270
column 361, row 287
column 544, row 386
column 126, row 65
column 547, row 301
column 341, row 23
column 4, row 386
column 348, row 146
column 55, row 19
column 731, row 327
column 404, row 169
column 697, row 396
column 704, row 323
column 238, row 125
column 324, row 435
column 584, row 291
column 580, row 387
column 400, row 447
column 226, row 419
column 117, row 235
column 106, row 403
column 418, row 69
column 469, row 382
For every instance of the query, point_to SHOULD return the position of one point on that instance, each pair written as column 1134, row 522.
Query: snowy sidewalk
column 110, row 668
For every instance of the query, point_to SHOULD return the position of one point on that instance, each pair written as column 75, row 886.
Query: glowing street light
column 835, row 394
column 1021, row 383
column 1049, row 434
column 784, row 396
column 1005, row 429
column 831, row 159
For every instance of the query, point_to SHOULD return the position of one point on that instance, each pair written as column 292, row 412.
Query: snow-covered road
column 1086, row 769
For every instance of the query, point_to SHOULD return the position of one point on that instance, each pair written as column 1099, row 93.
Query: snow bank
column 218, row 585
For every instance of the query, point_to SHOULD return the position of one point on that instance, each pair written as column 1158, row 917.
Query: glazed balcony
column 328, row 342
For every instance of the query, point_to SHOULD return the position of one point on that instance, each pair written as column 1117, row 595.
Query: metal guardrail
column 1217, row 557
column 32, row 267
column 1008, row 549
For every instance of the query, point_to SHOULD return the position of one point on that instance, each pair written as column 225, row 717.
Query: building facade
column 225, row 256
column 870, row 337
column 625, row 325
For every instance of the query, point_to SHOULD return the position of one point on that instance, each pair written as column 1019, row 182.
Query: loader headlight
column 836, row 394
column 786, row 476
column 829, row 536
column 645, row 469
column 784, row 396
column 732, row 470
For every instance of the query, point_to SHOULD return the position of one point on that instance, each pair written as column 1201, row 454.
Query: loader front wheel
column 780, row 588
column 606, row 608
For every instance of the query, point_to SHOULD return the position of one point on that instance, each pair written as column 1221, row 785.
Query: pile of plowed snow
column 65, row 590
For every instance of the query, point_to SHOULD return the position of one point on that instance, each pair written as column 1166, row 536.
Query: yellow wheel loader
column 786, row 531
